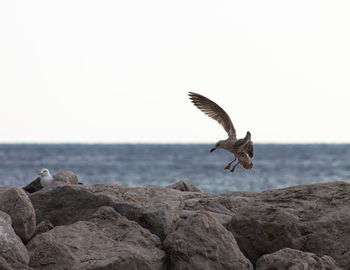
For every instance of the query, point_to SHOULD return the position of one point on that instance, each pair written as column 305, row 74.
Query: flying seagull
column 242, row 148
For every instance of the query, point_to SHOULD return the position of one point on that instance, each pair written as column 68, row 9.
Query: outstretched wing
column 214, row 111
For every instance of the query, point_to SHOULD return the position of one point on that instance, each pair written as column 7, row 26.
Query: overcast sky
column 119, row 71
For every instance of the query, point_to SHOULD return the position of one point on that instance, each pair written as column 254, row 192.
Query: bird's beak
column 211, row 150
column 40, row 173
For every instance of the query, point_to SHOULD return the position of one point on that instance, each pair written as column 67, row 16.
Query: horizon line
column 92, row 142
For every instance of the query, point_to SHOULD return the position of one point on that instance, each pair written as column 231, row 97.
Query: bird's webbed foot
column 229, row 165
column 234, row 167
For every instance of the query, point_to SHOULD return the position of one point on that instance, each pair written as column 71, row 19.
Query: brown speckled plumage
column 242, row 148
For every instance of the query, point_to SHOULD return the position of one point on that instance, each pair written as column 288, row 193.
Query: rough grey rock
column 107, row 241
column 224, row 220
column 15, row 202
column 157, row 209
column 295, row 260
column 201, row 242
column 223, row 205
column 66, row 177
column 313, row 218
column 8, row 263
column 219, row 206
column 62, row 205
column 10, row 244
column 183, row 186
column 43, row 226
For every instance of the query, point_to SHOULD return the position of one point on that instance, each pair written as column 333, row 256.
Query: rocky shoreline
column 108, row 226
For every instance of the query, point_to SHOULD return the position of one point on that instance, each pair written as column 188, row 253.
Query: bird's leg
column 234, row 167
column 229, row 165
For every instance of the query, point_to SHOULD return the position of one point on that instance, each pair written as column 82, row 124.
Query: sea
column 159, row 165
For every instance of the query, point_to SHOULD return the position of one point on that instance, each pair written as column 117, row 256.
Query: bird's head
column 44, row 173
column 219, row 144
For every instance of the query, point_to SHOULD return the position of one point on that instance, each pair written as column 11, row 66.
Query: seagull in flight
column 241, row 148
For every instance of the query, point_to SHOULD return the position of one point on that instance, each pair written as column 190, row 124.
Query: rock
column 66, row 177
column 156, row 209
column 7, row 263
column 183, row 186
column 224, row 220
column 220, row 207
column 312, row 218
column 43, row 226
column 16, row 203
column 10, row 244
column 201, row 242
column 309, row 218
column 63, row 205
column 223, row 205
column 294, row 259
column 107, row 241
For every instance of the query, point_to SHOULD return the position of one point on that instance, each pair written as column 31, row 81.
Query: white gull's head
column 45, row 177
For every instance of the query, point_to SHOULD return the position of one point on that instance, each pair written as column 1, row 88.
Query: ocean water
column 148, row 165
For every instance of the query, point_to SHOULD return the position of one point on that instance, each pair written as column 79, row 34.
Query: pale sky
column 119, row 71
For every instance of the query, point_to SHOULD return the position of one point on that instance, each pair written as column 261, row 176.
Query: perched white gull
column 61, row 178
column 46, row 178
column 242, row 148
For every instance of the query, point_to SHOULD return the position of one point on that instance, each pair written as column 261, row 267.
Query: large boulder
column 11, row 245
column 62, row 205
column 15, row 202
column 295, row 260
column 312, row 218
column 65, row 177
column 223, row 219
column 8, row 263
column 183, row 186
column 43, row 226
column 157, row 209
column 220, row 207
column 107, row 241
column 201, row 242
column 214, row 203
